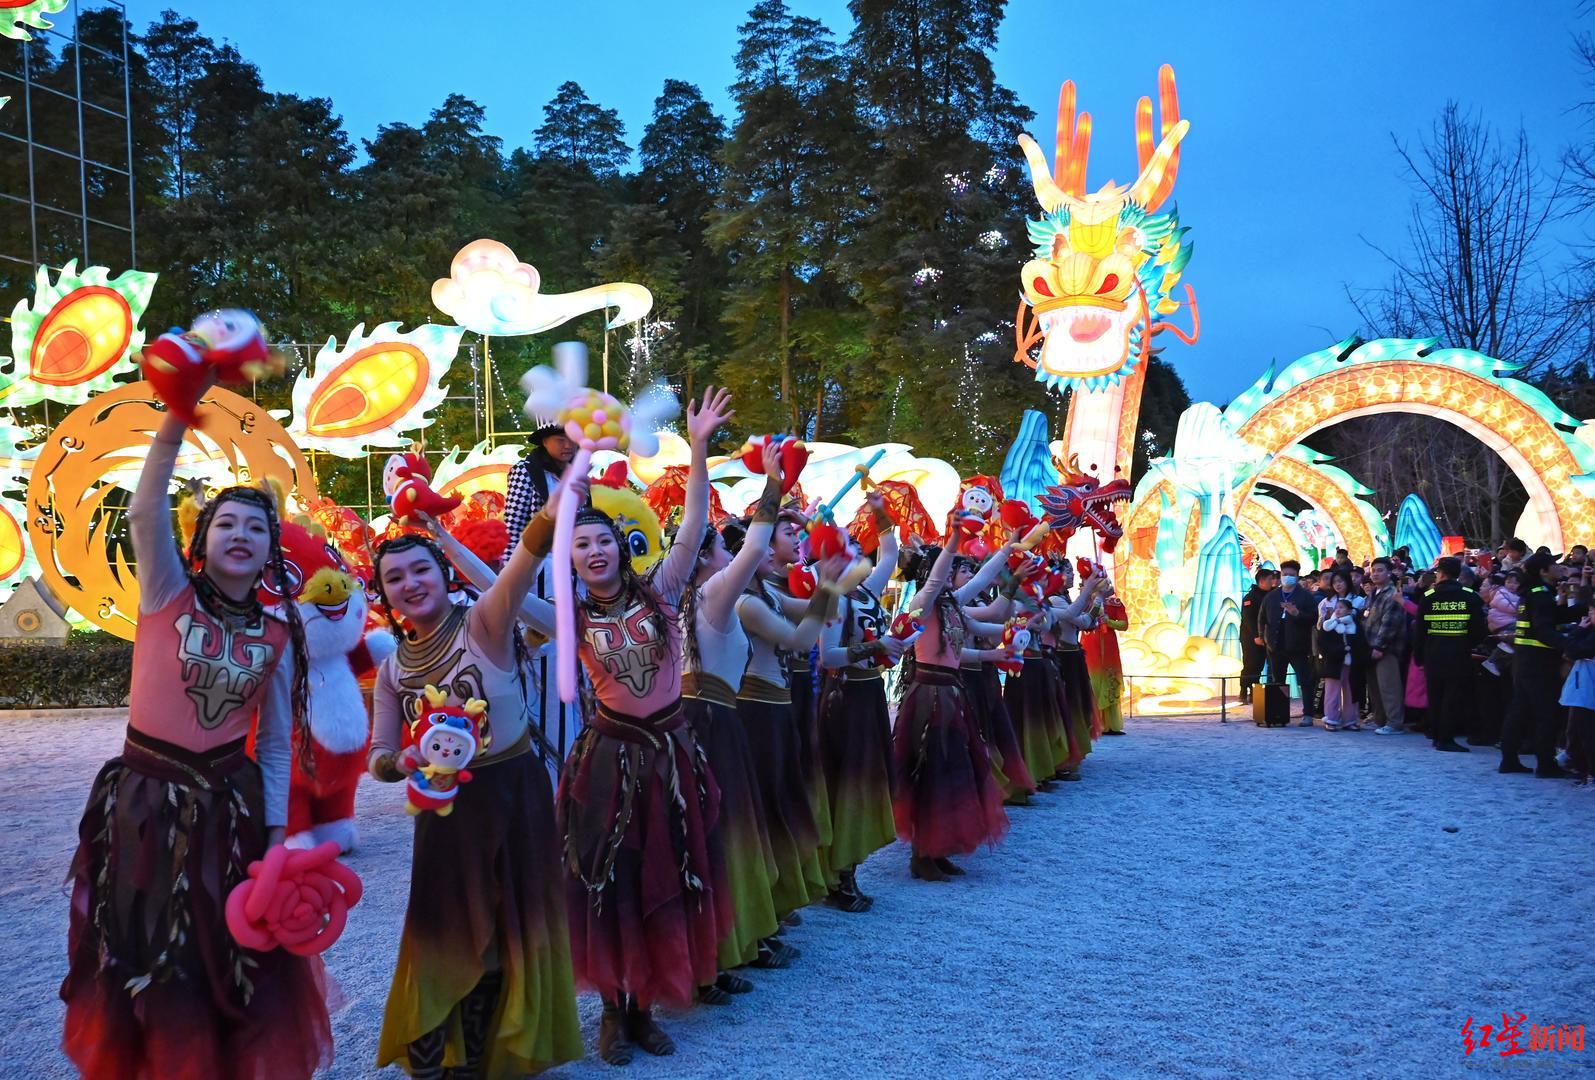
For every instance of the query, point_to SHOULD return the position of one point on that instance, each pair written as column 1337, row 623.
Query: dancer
column 1101, row 646
column 483, row 981
column 1074, row 681
column 765, row 704
column 715, row 654
column 983, row 686
column 855, row 724
column 637, row 800
column 946, row 801
column 156, row 985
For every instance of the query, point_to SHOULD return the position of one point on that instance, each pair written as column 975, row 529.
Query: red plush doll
column 443, row 740
column 406, row 480
column 230, row 343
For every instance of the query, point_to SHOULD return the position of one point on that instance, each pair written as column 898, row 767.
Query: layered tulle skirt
column 1079, row 702
column 984, row 692
column 856, row 756
column 1036, row 707
column 741, row 839
column 156, row 986
column 648, row 905
column 487, row 896
column 773, row 738
column 946, row 800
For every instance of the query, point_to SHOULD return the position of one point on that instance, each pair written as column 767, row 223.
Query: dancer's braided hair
column 393, row 546
column 220, row 606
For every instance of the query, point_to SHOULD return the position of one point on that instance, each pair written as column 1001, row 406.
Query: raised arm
column 720, row 592
column 760, row 621
column 676, row 568
column 533, row 610
column 886, row 551
column 160, row 568
column 984, row 576
column 940, row 570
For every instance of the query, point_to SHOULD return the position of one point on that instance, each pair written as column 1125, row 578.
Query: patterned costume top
column 451, row 660
column 224, row 666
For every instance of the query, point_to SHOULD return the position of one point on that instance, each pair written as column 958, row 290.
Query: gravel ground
column 1212, row 901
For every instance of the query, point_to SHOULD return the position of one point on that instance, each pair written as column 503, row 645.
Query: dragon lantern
column 1101, row 283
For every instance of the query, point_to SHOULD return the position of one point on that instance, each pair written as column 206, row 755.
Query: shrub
column 92, row 669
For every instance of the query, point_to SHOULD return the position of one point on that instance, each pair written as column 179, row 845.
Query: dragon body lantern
column 1100, row 285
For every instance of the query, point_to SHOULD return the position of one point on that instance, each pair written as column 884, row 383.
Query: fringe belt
column 666, row 736
column 936, row 675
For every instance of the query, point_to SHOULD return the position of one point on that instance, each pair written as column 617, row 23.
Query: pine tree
column 936, row 257
column 788, row 206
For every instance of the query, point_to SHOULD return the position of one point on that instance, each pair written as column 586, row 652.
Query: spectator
column 1536, row 674
column 1385, row 625
column 1578, row 694
column 1289, row 614
column 1253, row 649
column 1337, row 652
column 1450, row 622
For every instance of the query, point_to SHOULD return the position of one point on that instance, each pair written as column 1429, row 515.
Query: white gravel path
column 1212, row 901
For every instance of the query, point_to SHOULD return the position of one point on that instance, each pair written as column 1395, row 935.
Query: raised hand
column 770, row 457
column 576, row 485
column 704, row 417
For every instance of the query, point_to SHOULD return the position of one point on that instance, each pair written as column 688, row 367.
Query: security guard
column 1536, row 673
column 1451, row 621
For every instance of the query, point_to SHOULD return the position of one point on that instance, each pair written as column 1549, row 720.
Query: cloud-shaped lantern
column 490, row 291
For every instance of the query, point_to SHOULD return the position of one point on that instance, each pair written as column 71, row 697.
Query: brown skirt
column 156, row 985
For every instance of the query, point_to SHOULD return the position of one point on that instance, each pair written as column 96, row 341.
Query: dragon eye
column 1109, row 283
column 1040, row 285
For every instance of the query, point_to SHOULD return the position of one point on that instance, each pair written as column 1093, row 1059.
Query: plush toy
column 231, row 342
column 628, row 508
column 406, row 481
column 444, row 740
column 341, row 650
column 794, row 456
column 1016, row 639
column 800, row 581
column 965, row 534
column 826, row 540
column 1016, row 516
column 905, row 628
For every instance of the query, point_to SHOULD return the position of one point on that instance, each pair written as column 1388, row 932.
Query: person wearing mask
column 1253, row 649
column 1536, row 674
column 527, row 489
column 1450, row 622
column 1289, row 614
column 1385, row 625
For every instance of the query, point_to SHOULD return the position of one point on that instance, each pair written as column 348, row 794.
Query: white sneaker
column 1388, row 730
column 1305, row 721
column 1563, row 760
column 1489, row 665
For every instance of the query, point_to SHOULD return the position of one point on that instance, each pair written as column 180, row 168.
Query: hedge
column 92, row 669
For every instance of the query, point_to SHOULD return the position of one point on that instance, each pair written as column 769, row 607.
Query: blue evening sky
column 1287, row 174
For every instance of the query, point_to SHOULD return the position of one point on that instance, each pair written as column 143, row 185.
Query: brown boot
column 646, row 1033
column 614, row 1044
column 924, row 869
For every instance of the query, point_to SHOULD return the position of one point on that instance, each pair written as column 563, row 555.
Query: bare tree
column 1473, row 274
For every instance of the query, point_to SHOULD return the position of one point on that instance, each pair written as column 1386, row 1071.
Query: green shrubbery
column 91, row 670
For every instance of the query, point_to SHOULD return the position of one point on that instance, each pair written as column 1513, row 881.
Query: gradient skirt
column 946, row 800
column 1035, row 705
column 156, row 985
column 487, row 894
column 802, row 678
column 1080, row 703
column 740, row 840
column 982, row 689
column 856, row 755
column 638, row 803
column 778, row 762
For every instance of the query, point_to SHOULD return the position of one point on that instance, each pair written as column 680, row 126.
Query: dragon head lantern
column 1083, row 500
column 1105, row 263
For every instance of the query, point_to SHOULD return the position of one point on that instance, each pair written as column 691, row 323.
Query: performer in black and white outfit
column 530, row 481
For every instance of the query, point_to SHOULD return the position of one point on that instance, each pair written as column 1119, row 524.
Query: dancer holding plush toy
column 156, row 985
column 483, row 983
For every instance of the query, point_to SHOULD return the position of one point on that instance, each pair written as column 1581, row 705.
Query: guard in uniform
column 1536, row 675
column 1450, row 623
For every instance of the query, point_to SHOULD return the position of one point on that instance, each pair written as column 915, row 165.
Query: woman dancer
column 1101, row 645
column 982, row 684
column 483, row 981
column 765, row 704
column 1079, row 706
column 946, row 801
column 855, row 725
column 715, row 651
column 156, row 985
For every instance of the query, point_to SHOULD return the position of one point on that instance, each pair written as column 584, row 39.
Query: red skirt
column 156, row 986
column 637, row 803
column 946, row 801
